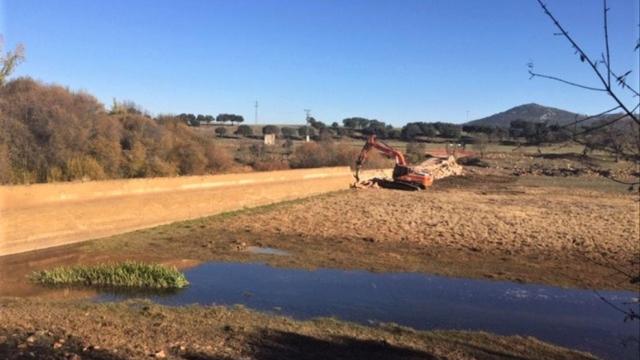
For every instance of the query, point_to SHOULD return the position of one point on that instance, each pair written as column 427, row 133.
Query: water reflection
column 572, row 318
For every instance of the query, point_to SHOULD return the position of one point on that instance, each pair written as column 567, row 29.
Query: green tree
column 428, row 130
column 315, row 123
column 288, row 132
column 410, row 131
column 271, row 129
column 244, row 130
column 350, row 123
column 306, row 131
column 221, row 131
column 230, row 118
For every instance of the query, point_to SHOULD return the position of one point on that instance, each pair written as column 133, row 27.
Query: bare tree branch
column 589, row 117
column 585, row 58
column 533, row 74
column 624, row 84
column 605, row 124
column 606, row 41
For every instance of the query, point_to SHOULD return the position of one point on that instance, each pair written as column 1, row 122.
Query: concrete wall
column 39, row 216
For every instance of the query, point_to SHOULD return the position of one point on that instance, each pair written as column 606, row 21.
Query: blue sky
column 394, row 60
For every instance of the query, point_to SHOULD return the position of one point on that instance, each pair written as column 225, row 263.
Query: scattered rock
column 160, row 354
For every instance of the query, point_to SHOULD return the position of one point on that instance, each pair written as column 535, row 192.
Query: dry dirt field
column 559, row 231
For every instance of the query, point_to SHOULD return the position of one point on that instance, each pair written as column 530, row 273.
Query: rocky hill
column 528, row 112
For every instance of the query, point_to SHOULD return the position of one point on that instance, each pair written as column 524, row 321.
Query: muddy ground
column 141, row 330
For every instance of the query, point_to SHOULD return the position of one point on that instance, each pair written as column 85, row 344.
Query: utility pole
column 308, row 112
column 256, row 114
column 467, row 115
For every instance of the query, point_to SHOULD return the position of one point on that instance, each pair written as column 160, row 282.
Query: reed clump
column 128, row 274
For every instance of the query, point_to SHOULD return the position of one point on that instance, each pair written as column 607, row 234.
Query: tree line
column 197, row 120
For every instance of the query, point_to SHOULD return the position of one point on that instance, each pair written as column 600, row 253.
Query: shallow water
column 568, row 317
column 267, row 251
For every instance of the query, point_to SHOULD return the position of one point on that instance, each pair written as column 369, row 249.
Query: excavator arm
column 388, row 151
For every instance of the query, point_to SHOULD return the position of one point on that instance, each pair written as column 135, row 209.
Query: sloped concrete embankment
column 39, row 216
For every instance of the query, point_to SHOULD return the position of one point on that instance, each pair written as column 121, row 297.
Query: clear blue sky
column 394, row 60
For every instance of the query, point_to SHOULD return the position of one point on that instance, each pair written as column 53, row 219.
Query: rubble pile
column 441, row 168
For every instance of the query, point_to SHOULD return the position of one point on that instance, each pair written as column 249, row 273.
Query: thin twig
column 565, row 81
column 629, row 313
column 605, row 124
column 606, row 42
column 625, row 85
column 589, row 118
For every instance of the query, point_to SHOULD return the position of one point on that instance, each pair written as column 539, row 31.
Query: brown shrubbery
column 415, row 153
column 262, row 158
column 48, row 133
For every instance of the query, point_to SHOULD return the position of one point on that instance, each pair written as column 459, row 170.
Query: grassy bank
column 127, row 274
column 142, row 330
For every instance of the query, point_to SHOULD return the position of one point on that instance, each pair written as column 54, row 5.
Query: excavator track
column 399, row 185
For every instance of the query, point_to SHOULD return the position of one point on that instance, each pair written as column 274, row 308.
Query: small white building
column 269, row 139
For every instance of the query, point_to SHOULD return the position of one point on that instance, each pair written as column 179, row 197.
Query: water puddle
column 568, row 317
column 267, row 251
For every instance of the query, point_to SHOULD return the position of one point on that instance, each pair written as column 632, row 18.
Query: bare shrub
column 189, row 159
column 309, row 155
column 83, row 168
column 218, row 158
column 327, row 153
column 344, row 154
column 480, row 144
column 5, row 165
column 262, row 158
column 378, row 161
column 416, row 152
column 156, row 167
column 270, row 164
column 48, row 133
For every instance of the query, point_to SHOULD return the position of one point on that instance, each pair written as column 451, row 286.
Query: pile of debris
column 440, row 168
column 436, row 167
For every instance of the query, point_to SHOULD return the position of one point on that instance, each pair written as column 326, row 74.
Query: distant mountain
column 528, row 112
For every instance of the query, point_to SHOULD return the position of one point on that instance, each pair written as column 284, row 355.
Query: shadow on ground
column 18, row 345
column 276, row 345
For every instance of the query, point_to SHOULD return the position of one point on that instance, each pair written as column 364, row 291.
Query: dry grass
column 140, row 330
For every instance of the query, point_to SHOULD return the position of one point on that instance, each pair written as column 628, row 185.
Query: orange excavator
column 404, row 177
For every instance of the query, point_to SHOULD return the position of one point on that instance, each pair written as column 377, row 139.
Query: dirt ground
column 558, row 231
column 142, row 330
column 572, row 231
